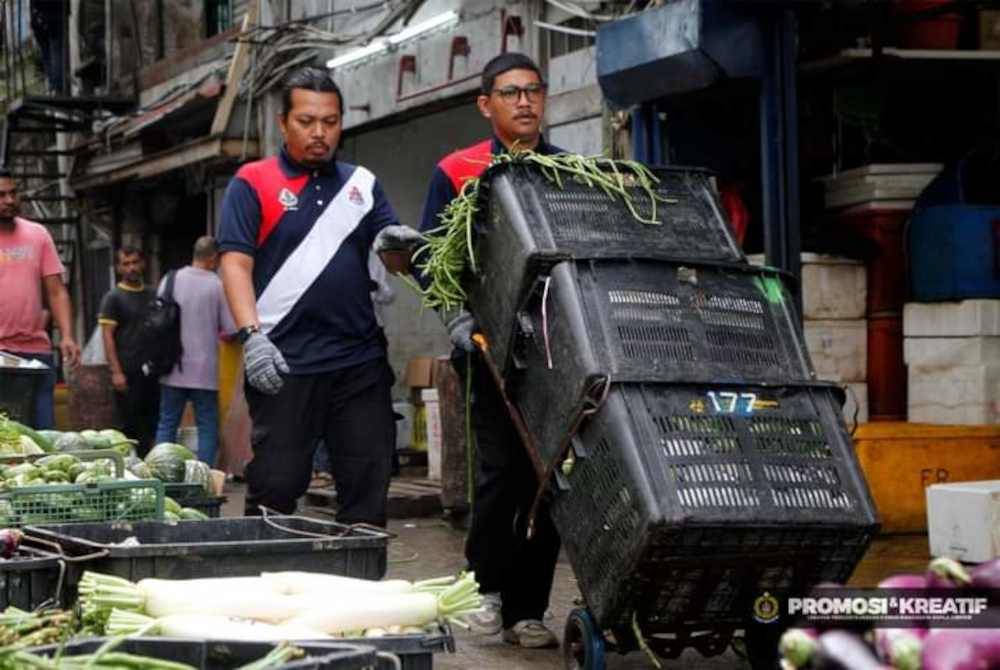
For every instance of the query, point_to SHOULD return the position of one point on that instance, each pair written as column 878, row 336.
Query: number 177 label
column 730, row 402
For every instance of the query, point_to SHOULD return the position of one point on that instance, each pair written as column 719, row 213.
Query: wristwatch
column 244, row 333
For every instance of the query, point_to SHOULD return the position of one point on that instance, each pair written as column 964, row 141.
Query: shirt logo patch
column 354, row 195
column 288, row 200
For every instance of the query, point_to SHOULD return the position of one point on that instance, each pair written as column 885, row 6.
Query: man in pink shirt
column 28, row 263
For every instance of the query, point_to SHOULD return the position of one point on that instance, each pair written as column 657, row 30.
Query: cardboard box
column 433, row 428
column 420, row 372
column 963, row 520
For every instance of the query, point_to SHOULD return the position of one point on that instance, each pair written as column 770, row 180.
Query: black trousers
column 497, row 547
column 137, row 410
column 351, row 410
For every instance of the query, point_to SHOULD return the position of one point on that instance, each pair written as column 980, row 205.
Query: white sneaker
column 530, row 634
column 487, row 622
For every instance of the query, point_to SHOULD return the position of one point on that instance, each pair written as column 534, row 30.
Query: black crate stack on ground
column 717, row 467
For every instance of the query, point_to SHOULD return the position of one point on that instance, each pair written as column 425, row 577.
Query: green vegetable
column 118, row 442
column 29, row 448
column 172, row 506
column 189, row 514
column 10, row 438
column 36, row 436
column 95, row 440
column 166, row 461
column 71, row 441
column 448, row 256
column 171, row 517
column 60, row 462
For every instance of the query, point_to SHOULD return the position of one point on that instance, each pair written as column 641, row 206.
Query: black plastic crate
column 686, row 502
column 636, row 321
column 415, row 652
column 228, row 655
column 210, row 506
column 30, row 578
column 19, row 388
column 531, row 223
column 195, row 497
column 243, row 546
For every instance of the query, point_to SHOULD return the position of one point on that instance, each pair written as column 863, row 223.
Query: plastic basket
column 243, row 546
column 648, row 322
column 30, row 578
column 414, row 652
column 19, row 388
column 135, row 500
column 228, row 655
column 687, row 502
column 531, row 223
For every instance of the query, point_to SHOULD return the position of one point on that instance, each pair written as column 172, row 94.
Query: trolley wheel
column 583, row 642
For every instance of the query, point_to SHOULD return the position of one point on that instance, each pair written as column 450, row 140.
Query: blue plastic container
column 954, row 252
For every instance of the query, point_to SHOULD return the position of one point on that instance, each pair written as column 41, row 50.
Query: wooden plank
column 237, row 68
column 202, row 149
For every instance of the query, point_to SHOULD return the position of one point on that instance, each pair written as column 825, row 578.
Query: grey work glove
column 460, row 327
column 262, row 363
column 396, row 238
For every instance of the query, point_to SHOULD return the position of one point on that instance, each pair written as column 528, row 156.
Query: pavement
column 431, row 547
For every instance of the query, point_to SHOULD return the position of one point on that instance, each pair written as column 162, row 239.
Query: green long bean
column 448, row 256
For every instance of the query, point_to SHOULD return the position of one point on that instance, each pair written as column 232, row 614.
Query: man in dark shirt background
column 136, row 398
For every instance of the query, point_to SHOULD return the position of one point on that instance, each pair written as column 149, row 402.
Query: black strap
column 168, row 289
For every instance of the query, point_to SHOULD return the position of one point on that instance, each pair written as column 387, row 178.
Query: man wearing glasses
column 515, row 574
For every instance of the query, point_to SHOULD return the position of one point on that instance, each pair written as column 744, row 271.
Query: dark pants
column 45, row 413
column 351, row 411
column 137, row 410
column 497, row 547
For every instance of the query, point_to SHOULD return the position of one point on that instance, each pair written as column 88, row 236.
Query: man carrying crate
column 30, row 263
column 515, row 573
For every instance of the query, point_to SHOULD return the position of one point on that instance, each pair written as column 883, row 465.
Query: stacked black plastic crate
column 696, row 462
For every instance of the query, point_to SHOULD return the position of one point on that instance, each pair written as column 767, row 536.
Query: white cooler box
column 963, row 520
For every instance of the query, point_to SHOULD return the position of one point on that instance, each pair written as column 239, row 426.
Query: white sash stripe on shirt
column 304, row 265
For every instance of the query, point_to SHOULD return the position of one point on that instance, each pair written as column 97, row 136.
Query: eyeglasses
column 512, row 94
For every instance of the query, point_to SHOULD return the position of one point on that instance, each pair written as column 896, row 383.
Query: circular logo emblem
column 766, row 608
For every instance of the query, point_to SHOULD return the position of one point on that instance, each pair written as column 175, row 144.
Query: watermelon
column 167, row 461
column 119, row 442
column 138, row 467
column 196, row 472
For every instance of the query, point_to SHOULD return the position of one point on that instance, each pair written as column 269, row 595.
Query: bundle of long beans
column 19, row 628
column 449, row 252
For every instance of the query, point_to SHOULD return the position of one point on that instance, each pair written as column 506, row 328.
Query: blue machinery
column 691, row 45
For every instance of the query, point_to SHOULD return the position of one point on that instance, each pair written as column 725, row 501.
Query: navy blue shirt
column 309, row 232
column 452, row 172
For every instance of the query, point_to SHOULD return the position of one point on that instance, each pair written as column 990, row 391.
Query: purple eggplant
column 946, row 573
column 900, row 647
column 962, row 649
column 840, row 650
column 904, row 581
column 798, row 646
column 986, row 575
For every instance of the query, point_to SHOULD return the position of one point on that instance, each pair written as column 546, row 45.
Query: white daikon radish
column 260, row 604
column 206, row 627
column 400, row 609
column 315, row 583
